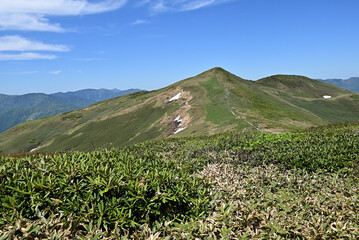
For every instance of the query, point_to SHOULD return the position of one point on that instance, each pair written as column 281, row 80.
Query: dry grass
column 266, row 202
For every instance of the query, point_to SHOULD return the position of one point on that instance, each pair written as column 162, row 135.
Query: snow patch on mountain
column 175, row 97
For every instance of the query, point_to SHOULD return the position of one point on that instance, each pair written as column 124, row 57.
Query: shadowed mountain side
column 211, row 102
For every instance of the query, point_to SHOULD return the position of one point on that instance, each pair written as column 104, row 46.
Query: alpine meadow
column 212, row 156
column 236, row 119
column 212, row 102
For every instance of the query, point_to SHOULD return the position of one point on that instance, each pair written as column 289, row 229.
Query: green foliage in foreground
column 112, row 188
column 239, row 184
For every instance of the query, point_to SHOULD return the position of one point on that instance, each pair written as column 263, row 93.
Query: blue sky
column 65, row 45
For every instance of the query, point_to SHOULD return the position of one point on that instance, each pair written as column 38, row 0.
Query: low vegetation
column 212, row 102
column 237, row 185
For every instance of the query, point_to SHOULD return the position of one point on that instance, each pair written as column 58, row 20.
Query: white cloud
column 27, row 22
column 25, row 56
column 158, row 6
column 140, row 21
column 56, row 72
column 193, row 5
column 32, row 15
column 18, row 43
column 59, row 7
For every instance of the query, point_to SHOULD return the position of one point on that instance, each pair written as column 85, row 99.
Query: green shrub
column 156, row 185
column 109, row 188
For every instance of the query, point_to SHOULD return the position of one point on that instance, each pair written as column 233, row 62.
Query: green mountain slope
column 12, row 117
column 18, row 109
column 212, row 102
column 21, row 108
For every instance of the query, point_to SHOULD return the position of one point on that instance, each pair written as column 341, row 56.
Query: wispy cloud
column 56, row 72
column 142, row 3
column 160, row 6
column 27, row 22
column 89, row 59
column 25, row 56
column 33, row 15
column 19, row 73
column 140, row 21
column 193, row 5
column 18, row 43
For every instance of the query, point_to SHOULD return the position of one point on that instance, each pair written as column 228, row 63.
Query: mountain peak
column 215, row 70
column 218, row 70
column 211, row 102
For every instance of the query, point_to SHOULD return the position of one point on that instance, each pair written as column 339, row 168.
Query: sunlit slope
column 211, row 102
column 308, row 95
column 119, row 121
column 122, row 120
column 278, row 103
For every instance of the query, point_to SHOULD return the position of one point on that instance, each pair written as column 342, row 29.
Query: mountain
column 351, row 84
column 17, row 109
column 211, row 102
column 96, row 95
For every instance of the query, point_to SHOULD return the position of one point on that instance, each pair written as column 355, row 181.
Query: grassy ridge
column 126, row 129
column 212, row 102
column 238, row 184
column 57, row 132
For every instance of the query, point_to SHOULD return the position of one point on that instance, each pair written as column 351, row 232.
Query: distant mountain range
column 212, row 102
column 351, row 84
column 15, row 109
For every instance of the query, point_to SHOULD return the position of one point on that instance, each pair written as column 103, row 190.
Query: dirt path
column 227, row 92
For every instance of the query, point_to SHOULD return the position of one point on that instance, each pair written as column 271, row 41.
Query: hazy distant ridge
column 15, row 109
column 95, row 94
column 351, row 84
